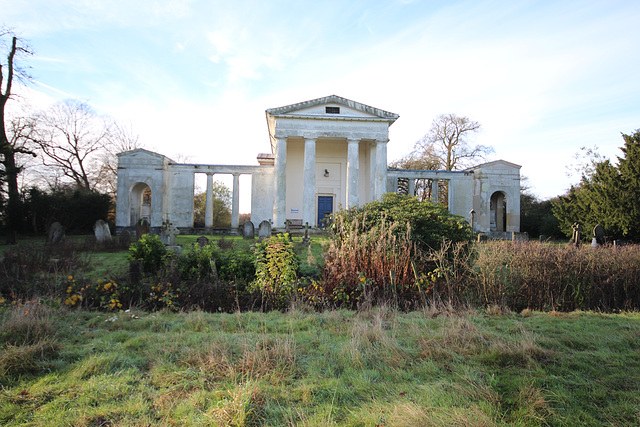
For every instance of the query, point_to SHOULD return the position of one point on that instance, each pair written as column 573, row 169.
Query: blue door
column 325, row 207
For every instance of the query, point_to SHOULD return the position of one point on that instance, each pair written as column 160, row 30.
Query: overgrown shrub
column 211, row 264
column 372, row 265
column 379, row 252
column 557, row 277
column 429, row 223
column 150, row 251
column 276, row 270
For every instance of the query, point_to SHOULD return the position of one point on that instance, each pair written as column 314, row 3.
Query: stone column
column 450, row 195
column 353, row 162
column 280, row 184
column 434, row 190
column 412, row 187
column 309, row 189
column 372, row 171
column 235, row 202
column 208, row 207
column 381, row 168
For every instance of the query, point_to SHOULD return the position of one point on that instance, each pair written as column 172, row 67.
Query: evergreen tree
column 610, row 196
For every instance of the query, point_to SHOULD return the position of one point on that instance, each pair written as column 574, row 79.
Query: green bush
column 149, row 250
column 384, row 251
column 211, row 264
column 429, row 223
column 276, row 270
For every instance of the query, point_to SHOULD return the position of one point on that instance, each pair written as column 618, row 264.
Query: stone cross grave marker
column 577, row 234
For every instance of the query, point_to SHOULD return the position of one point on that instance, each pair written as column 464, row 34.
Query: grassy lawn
column 376, row 367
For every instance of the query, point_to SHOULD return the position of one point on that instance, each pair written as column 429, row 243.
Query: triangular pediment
column 332, row 107
column 142, row 153
column 498, row 164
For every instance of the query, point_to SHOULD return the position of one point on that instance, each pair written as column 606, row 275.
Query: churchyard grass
column 433, row 366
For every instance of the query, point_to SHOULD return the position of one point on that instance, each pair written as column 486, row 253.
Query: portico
column 337, row 146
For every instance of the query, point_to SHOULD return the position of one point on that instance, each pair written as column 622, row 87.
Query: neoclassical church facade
column 326, row 154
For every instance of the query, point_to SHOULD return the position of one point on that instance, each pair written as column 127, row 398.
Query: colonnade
column 377, row 167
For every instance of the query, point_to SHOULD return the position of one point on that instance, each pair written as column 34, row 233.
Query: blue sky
column 193, row 78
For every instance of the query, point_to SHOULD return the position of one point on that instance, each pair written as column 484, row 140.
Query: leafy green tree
column 610, row 196
column 536, row 216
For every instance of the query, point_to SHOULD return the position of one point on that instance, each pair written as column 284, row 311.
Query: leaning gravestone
column 202, row 241
column 102, row 232
column 55, row 234
column 264, row 230
column 248, row 230
column 125, row 239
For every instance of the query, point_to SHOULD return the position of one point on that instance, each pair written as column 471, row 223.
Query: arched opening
column 498, row 213
column 140, row 203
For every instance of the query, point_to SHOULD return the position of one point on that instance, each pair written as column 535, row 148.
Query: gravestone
column 168, row 234
column 248, row 230
column 55, row 234
column 125, row 239
column 142, row 227
column 306, row 239
column 598, row 234
column 202, row 241
column 102, row 232
column 264, row 230
column 577, row 234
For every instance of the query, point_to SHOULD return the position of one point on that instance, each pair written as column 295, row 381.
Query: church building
column 326, row 154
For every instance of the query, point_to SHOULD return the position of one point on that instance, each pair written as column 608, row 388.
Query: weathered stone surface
column 102, row 232
column 168, row 234
column 248, row 230
column 264, row 230
column 56, row 234
column 202, row 241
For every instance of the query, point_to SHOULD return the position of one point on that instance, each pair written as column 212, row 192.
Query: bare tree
column 8, row 147
column 448, row 140
column 120, row 139
column 72, row 140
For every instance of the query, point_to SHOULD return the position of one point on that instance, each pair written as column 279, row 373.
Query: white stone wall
column 141, row 166
column 180, row 212
column 262, row 196
column 492, row 177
